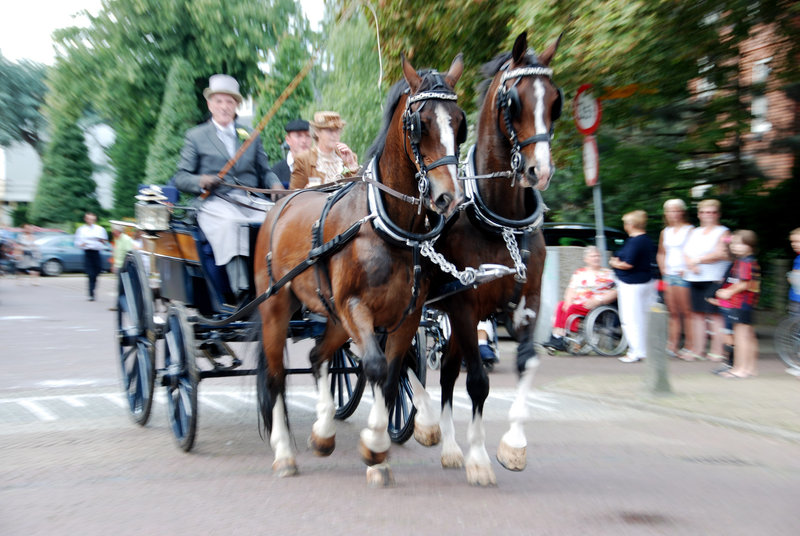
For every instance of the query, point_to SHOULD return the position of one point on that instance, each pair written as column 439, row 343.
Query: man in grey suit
column 224, row 214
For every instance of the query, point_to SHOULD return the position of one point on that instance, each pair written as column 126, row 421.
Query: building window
column 759, row 106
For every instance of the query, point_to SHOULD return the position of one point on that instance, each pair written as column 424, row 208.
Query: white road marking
column 74, row 401
column 41, row 413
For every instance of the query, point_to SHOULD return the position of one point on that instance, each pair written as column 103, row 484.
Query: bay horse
column 500, row 224
column 370, row 279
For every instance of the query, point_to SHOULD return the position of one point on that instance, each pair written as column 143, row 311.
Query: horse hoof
column 480, row 475
column 322, row 446
column 427, row 436
column 284, row 468
column 380, row 476
column 371, row 458
column 512, row 458
column 452, row 460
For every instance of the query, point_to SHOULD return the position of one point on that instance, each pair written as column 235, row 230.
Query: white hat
column 222, row 83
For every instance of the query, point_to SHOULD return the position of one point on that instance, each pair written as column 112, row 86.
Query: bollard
column 657, row 380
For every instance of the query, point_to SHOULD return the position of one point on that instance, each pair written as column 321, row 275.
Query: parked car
column 59, row 254
column 580, row 234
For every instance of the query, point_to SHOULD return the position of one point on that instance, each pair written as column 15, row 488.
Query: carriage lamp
column 152, row 214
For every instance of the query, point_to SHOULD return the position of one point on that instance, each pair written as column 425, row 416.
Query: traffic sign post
column 586, row 111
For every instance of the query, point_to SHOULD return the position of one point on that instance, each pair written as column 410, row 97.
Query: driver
column 223, row 215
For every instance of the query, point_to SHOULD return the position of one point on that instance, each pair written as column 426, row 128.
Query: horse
column 500, row 223
column 364, row 246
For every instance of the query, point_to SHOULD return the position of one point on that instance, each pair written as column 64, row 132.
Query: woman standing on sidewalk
column 633, row 269
column 673, row 267
column 706, row 255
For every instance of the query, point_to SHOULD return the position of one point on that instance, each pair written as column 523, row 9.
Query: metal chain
column 465, row 277
column 513, row 249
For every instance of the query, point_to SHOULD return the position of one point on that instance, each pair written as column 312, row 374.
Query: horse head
column 434, row 127
column 527, row 104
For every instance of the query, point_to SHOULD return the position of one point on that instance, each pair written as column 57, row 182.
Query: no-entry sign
column 586, row 110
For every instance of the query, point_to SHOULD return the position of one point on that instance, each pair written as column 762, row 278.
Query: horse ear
column 520, row 47
column 456, row 70
column 548, row 54
column 410, row 74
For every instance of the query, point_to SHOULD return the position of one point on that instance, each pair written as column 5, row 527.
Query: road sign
column 591, row 160
column 586, row 110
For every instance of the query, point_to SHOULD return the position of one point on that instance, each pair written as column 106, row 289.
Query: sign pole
column 600, row 239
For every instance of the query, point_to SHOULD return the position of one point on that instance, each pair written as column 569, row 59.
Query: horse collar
column 384, row 226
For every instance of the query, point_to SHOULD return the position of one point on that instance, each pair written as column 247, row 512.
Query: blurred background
column 700, row 99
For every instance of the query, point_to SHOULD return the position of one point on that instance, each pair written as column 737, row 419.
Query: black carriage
column 172, row 291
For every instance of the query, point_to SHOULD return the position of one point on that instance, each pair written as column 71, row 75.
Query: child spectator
column 738, row 297
column 794, row 275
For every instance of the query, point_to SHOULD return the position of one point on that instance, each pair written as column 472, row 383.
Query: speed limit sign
column 586, row 110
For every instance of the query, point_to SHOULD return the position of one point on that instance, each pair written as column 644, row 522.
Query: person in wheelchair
column 589, row 287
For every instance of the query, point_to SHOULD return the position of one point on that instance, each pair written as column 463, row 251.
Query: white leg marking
column 376, row 435
column 479, row 468
column 522, row 315
column 324, row 427
column 518, row 414
column 452, row 456
column 427, row 414
column 279, row 438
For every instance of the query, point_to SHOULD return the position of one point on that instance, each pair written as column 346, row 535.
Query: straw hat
column 327, row 120
column 222, row 83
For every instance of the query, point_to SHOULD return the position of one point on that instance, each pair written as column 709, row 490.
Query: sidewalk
column 767, row 404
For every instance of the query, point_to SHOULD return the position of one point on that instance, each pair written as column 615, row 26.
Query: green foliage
column 178, row 114
column 66, row 189
column 290, row 57
column 126, row 157
column 350, row 84
column 22, row 91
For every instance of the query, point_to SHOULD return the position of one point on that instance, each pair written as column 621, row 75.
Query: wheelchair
column 599, row 331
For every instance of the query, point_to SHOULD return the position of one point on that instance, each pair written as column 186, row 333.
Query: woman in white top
column 672, row 265
column 706, row 256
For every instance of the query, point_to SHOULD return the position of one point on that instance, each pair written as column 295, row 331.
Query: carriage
column 171, row 291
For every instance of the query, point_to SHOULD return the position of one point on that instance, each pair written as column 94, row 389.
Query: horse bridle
column 412, row 130
column 509, row 104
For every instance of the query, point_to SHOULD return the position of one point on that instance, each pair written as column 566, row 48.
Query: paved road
column 73, row 463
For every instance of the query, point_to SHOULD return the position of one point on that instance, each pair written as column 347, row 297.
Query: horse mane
column 490, row 68
column 392, row 100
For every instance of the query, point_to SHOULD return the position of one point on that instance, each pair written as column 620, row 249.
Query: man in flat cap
column 298, row 139
column 224, row 214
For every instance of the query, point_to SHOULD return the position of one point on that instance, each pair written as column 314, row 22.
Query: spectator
column 298, row 139
column 672, row 265
column 223, row 216
column 485, row 342
column 737, row 298
column 794, row 275
column 329, row 159
column 123, row 243
column 91, row 238
column 28, row 258
column 589, row 287
column 633, row 267
column 706, row 255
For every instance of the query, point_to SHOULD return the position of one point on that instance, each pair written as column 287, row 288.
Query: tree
column 22, row 91
column 178, row 114
column 119, row 63
column 66, row 189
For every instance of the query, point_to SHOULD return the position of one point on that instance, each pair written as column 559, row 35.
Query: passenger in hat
column 329, row 159
column 223, row 215
column 298, row 139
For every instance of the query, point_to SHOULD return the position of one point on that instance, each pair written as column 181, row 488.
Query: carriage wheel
column 181, row 376
column 135, row 335
column 402, row 411
column 603, row 331
column 787, row 341
column 346, row 386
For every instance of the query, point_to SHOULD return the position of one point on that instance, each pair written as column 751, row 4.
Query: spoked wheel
column 180, row 376
column 347, row 381
column 135, row 335
column 787, row 341
column 604, row 331
column 402, row 411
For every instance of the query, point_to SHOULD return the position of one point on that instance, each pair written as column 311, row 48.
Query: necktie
column 229, row 140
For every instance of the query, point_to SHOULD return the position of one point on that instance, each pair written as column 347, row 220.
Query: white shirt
column 227, row 135
column 91, row 237
column 701, row 243
column 673, row 241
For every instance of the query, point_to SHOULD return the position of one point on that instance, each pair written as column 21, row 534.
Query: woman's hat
column 327, row 120
column 222, row 83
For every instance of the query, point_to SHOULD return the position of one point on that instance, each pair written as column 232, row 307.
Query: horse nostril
column 532, row 172
column 443, row 201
